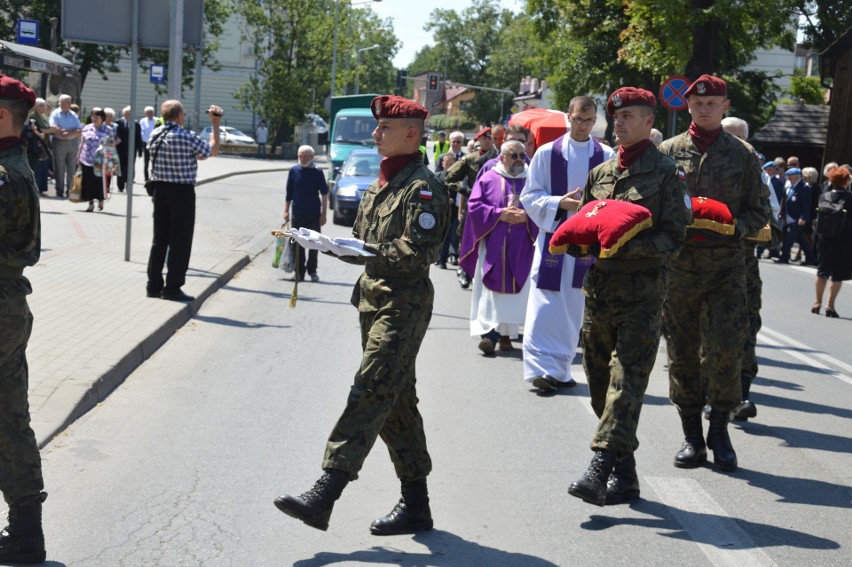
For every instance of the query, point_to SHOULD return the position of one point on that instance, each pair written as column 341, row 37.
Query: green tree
column 294, row 43
column 824, row 21
column 466, row 51
column 807, row 89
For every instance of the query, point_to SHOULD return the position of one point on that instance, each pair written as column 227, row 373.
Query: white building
column 217, row 87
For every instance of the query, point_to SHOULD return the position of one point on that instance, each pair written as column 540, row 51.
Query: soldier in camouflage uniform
column 461, row 177
column 402, row 221
column 705, row 317
column 22, row 541
column 624, row 295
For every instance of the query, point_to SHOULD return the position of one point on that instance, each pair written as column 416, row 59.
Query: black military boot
column 693, row 453
column 623, row 483
column 314, row 506
column 411, row 514
column 591, row 487
column 719, row 442
column 22, row 541
column 746, row 409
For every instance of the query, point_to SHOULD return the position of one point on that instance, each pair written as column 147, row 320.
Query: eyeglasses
column 517, row 156
column 584, row 122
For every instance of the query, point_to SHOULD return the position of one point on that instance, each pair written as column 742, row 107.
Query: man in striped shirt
column 175, row 153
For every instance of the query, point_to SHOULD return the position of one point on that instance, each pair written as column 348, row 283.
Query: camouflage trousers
column 620, row 337
column 20, row 461
column 754, row 289
column 706, row 325
column 383, row 400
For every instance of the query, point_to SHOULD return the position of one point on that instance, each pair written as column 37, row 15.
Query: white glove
column 347, row 246
column 310, row 239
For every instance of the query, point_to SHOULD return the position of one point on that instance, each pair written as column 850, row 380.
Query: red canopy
column 545, row 124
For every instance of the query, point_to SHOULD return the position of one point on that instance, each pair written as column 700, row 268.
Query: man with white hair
column 66, row 140
column 146, row 126
column 307, row 193
column 122, row 133
column 41, row 128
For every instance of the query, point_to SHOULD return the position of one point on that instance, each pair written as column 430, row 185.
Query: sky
column 409, row 29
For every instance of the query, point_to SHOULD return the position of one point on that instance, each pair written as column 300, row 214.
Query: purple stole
column 550, row 268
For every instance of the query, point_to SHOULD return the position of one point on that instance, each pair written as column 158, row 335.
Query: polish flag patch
column 681, row 174
column 425, row 194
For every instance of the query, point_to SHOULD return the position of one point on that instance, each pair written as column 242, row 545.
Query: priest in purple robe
column 497, row 248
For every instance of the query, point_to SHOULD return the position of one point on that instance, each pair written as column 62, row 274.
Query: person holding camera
column 175, row 152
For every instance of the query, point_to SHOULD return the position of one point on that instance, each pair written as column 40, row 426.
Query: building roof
column 795, row 125
column 33, row 58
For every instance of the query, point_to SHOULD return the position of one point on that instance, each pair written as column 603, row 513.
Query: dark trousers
column 147, row 160
column 793, row 233
column 313, row 223
column 41, row 170
column 122, row 178
column 174, row 223
column 452, row 238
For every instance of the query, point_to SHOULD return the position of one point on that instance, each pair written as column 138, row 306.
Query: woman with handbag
column 92, row 136
column 835, row 260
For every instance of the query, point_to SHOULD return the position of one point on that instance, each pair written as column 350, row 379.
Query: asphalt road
column 179, row 466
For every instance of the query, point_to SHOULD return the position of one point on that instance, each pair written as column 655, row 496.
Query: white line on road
column 809, row 359
column 718, row 536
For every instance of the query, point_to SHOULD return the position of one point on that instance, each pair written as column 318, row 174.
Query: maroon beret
column 629, row 96
column 13, row 88
column 483, row 132
column 707, row 85
column 392, row 106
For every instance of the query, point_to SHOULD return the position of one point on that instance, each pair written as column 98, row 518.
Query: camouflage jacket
column 466, row 169
column 20, row 229
column 653, row 181
column 728, row 172
column 403, row 223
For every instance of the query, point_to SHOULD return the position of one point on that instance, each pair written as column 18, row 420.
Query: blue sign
column 27, row 32
column 158, row 73
column 672, row 92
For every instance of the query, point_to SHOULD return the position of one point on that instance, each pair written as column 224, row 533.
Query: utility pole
column 176, row 49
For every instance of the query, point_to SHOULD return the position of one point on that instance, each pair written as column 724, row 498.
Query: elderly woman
column 835, row 260
column 93, row 135
column 40, row 127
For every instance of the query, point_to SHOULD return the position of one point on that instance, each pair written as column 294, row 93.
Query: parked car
column 228, row 135
column 359, row 170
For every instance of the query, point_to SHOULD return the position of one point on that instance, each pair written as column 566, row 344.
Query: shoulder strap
column 159, row 139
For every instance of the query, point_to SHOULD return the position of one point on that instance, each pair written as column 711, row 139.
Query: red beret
column 481, row 133
column 392, row 106
column 707, row 85
column 629, row 96
column 13, row 88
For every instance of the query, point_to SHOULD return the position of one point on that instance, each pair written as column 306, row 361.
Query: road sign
column 158, row 73
column 27, row 32
column 672, row 92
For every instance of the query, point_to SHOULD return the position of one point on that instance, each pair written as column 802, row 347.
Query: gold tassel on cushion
column 295, row 294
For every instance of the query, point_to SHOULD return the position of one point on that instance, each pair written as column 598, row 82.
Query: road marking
column 712, row 529
column 809, row 359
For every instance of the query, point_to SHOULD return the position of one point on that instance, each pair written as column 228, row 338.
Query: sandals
column 831, row 313
column 816, row 308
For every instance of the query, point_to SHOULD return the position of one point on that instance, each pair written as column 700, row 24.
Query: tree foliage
column 824, row 21
column 294, row 43
column 807, row 89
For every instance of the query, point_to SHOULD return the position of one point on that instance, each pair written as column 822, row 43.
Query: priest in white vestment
column 554, row 316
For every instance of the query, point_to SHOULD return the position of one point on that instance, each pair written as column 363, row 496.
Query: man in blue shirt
column 307, row 192
column 66, row 141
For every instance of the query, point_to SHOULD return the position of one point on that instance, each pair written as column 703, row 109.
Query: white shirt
column 146, row 126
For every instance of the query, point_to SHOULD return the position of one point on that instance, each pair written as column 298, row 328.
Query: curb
column 90, row 393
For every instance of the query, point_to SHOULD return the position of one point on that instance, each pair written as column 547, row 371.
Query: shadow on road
column 796, row 404
column 762, row 535
column 799, row 490
column 234, row 323
column 445, row 550
column 802, row 439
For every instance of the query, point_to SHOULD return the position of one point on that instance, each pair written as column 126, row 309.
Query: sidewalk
column 93, row 323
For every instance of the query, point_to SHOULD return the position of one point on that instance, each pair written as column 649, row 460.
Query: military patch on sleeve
column 426, row 221
column 426, row 194
column 687, row 201
column 681, row 174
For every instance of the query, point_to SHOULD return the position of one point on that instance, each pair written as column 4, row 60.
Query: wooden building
column 836, row 64
column 795, row 130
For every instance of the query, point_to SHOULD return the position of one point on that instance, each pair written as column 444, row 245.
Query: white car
column 228, row 135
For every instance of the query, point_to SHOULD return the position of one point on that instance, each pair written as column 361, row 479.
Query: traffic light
column 433, row 82
column 401, row 76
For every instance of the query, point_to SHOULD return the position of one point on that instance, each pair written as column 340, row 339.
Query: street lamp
column 334, row 47
column 358, row 64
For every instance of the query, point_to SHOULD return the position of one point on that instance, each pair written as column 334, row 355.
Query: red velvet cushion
column 713, row 215
column 607, row 223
